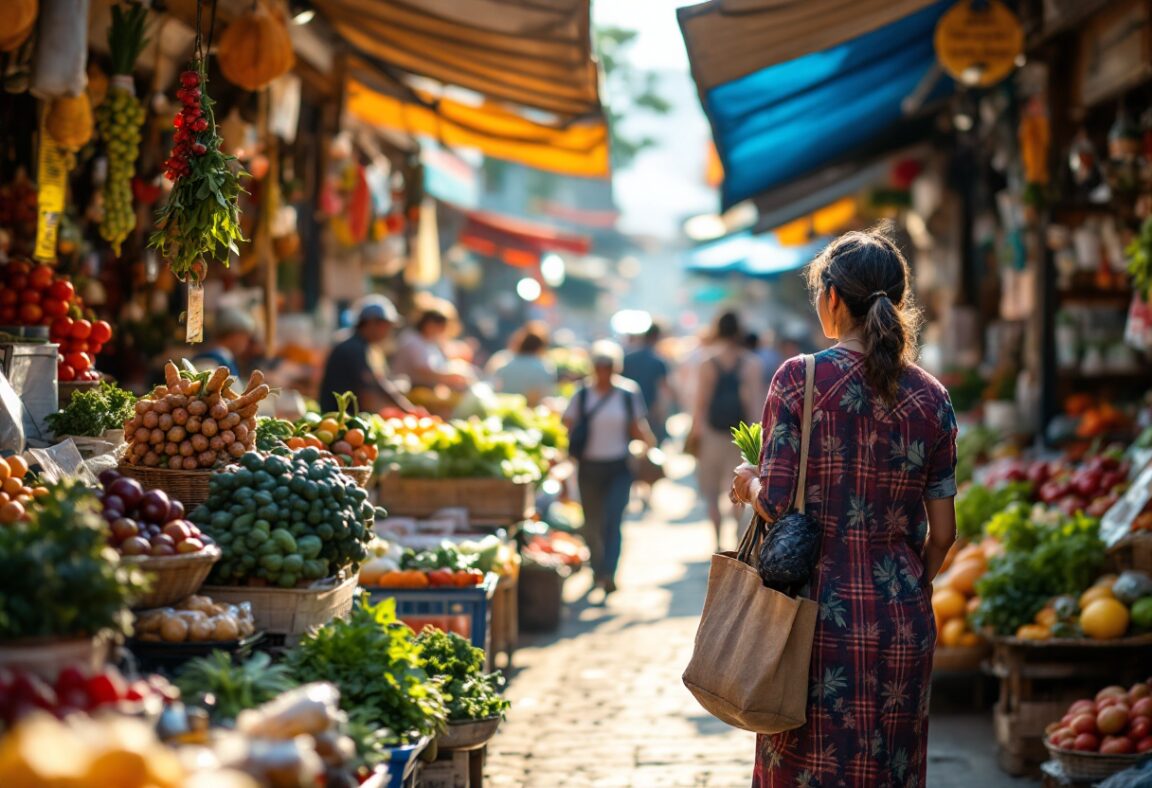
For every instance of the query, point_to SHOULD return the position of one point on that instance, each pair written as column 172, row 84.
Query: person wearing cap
column 356, row 364
column 232, row 333
column 604, row 417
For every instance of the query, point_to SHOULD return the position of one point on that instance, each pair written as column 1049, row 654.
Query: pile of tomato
column 35, row 295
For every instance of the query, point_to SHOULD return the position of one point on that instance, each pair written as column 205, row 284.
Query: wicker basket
column 174, row 576
column 360, row 474
column 291, row 611
column 1134, row 551
column 960, row 659
column 1091, row 765
column 46, row 657
column 188, row 487
column 487, row 500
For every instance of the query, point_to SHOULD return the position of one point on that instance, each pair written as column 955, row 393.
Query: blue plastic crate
column 465, row 611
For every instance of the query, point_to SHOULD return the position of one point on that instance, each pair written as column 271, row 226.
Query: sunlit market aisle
column 601, row 702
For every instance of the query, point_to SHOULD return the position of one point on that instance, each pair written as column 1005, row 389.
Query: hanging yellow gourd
column 256, row 48
column 19, row 19
column 69, row 121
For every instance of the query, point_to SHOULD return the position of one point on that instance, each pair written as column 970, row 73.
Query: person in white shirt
column 604, row 417
column 420, row 355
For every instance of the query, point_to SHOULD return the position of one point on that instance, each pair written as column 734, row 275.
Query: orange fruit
column 355, row 437
column 5, row 471
column 970, row 640
column 12, row 486
column 963, row 575
column 953, row 631
column 948, row 604
column 328, row 425
column 40, row 492
column 11, row 512
column 1046, row 617
column 18, row 466
column 1104, row 619
column 1095, row 593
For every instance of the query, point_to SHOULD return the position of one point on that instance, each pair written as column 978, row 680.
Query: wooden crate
column 487, row 500
column 505, row 622
column 1039, row 680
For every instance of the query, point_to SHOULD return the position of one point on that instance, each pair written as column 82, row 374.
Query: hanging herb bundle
column 201, row 217
column 119, row 119
column 1139, row 253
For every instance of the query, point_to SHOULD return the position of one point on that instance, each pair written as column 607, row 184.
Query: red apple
column 135, row 545
column 1142, row 708
column 1112, row 720
column 1086, row 742
column 1144, row 745
column 1084, row 723
column 1117, row 745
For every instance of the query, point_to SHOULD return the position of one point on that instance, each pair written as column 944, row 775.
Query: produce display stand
column 488, row 501
column 540, row 597
column 287, row 613
column 465, row 611
column 1038, row 679
column 505, row 620
column 1134, row 551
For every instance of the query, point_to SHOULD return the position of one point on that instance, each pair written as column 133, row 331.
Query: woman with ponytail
column 881, row 481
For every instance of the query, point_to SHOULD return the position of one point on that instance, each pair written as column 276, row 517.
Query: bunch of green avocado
column 286, row 518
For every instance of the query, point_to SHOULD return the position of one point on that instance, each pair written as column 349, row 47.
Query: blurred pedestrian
column 421, row 357
column 648, row 370
column 233, row 331
column 357, row 363
column 730, row 383
column 528, row 372
column 604, row 417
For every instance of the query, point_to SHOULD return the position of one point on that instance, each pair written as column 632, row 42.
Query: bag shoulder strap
column 586, row 415
column 805, row 430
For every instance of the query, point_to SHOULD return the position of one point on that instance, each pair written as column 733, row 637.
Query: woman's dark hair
column 431, row 317
column 872, row 278
column 532, row 341
column 728, row 326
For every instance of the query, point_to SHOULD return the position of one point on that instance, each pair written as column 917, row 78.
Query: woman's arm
column 941, row 534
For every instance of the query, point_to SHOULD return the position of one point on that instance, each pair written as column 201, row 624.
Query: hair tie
column 876, row 295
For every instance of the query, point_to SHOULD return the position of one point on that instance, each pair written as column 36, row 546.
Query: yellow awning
column 577, row 149
column 828, row 220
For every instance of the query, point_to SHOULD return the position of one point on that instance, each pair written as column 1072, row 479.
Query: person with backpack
column 728, row 392
column 604, row 417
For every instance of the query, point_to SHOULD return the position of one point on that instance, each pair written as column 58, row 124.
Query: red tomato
column 61, row 328
column 21, row 267
column 31, row 314
column 63, row 290
column 17, row 281
column 78, row 361
column 54, row 307
column 74, row 346
column 41, row 277
column 65, row 372
column 30, row 296
column 9, row 296
column 101, row 332
column 440, row 577
column 81, row 329
column 7, row 315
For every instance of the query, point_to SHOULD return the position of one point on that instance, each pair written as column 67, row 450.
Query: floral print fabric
column 871, row 467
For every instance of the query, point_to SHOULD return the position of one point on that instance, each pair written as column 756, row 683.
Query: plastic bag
column 11, row 418
column 58, row 67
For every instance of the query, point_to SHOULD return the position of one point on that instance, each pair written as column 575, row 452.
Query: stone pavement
column 600, row 703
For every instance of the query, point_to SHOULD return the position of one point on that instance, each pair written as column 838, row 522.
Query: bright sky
column 665, row 184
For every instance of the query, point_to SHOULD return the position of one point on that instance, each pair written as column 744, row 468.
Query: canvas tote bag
column 749, row 667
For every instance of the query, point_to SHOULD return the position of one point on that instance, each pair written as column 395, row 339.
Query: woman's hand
column 746, row 484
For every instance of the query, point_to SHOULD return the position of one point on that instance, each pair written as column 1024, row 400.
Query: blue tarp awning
column 760, row 256
column 784, row 121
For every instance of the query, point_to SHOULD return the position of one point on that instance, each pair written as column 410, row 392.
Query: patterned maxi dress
column 870, row 470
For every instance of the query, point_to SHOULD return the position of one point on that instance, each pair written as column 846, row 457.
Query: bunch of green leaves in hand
column 92, row 412
column 230, row 688
column 380, row 669
column 747, row 438
column 58, row 576
column 471, row 693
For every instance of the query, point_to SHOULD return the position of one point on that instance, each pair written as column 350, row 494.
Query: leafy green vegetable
column 380, row 669
column 973, row 444
column 471, row 693
column 748, row 439
column 272, row 433
column 233, row 688
column 467, row 449
column 92, row 412
column 58, row 576
column 1139, row 253
column 1046, row 555
column 976, row 504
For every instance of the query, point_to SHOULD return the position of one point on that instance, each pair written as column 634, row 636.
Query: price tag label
column 194, row 327
column 52, row 180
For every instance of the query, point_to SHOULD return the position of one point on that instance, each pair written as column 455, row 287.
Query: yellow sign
column 978, row 41
column 52, row 177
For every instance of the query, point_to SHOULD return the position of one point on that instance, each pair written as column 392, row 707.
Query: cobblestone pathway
column 600, row 703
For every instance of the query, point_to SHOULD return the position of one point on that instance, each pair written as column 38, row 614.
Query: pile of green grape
column 119, row 119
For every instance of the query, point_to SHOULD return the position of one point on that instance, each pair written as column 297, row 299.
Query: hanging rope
column 202, row 48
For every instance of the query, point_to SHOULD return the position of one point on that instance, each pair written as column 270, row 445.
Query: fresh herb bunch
column 380, row 669
column 747, row 438
column 58, row 576
column 272, row 433
column 977, row 504
column 201, row 217
column 471, row 693
column 228, row 688
column 91, row 412
column 1041, row 560
column 1139, row 253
